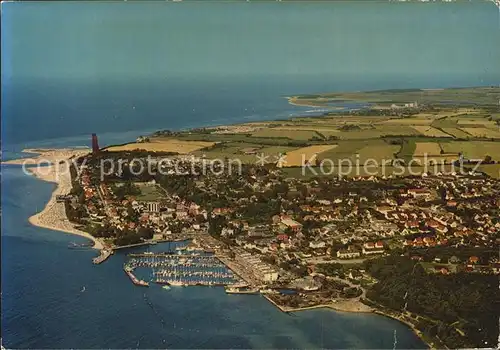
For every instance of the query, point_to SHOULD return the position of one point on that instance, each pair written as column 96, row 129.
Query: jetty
column 243, row 272
column 103, row 256
column 132, row 245
column 134, row 279
column 151, row 242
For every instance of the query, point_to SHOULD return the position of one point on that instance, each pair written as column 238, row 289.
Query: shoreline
column 294, row 101
column 350, row 306
column 53, row 215
column 47, row 156
column 410, row 325
column 354, row 306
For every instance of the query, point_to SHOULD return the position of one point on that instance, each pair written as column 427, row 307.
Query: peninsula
column 390, row 206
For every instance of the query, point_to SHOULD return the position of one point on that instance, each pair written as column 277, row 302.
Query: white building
column 153, row 207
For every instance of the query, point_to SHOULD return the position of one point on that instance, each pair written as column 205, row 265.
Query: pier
column 244, row 273
column 132, row 245
column 151, row 242
column 103, row 256
column 134, row 279
column 169, row 254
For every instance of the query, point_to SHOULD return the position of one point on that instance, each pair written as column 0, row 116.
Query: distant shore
column 53, row 216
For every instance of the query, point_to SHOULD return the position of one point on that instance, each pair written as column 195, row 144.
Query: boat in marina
column 269, row 291
column 233, row 290
column 184, row 270
column 175, row 283
column 166, row 287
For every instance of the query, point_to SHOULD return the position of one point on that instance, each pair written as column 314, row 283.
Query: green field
column 247, row 153
column 473, row 149
column 407, row 149
column 361, row 150
column 302, row 135
column 492, row 170
column 385, row 131
column 456, row 133
column 149, row 193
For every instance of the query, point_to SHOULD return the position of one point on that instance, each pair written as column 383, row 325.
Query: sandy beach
column 53, row 216
column 45, row 156
column 319, row 103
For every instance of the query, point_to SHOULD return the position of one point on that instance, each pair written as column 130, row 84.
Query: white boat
column 268, row 291
column 176, row 283
column 166, row 287
column 232, row 290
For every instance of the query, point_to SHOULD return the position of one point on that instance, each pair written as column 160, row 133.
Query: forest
column 460, row 309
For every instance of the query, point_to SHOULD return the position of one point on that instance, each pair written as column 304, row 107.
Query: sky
column 97, row 41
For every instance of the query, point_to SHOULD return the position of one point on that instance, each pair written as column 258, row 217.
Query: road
column 327, row 260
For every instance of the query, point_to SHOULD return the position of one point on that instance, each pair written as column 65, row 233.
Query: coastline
column 355, row 306
column 415, row 330
column 295, row 101
column 47, row 156
column 53, row 216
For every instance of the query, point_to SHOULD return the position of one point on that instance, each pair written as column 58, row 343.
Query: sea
column 124, row 69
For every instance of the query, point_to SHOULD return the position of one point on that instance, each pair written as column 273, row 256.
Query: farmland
column 285, row 133
column 361, row 151
column 456, row 133
column 427, row 148
column 162, row 145
column 430, row 131
column 473, row 149
column 306, row 155
column 492, row 170
column 395, row 124
column 483, row 132
column 247, row 153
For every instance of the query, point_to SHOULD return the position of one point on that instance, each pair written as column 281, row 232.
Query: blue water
column 124, row 69
column 43, row 306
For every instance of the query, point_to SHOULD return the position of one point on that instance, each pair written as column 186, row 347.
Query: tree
column 146, row 232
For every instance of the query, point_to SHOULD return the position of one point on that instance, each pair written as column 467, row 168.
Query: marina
column 196, row 269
